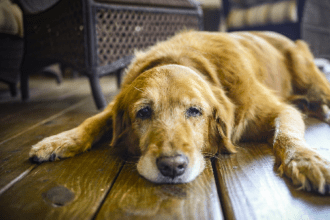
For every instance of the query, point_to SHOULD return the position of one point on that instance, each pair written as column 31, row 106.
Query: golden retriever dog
column 204, row 92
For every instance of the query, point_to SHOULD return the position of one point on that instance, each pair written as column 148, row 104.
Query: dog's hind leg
column 311, row 87
column 293, row 156
column 74, row 141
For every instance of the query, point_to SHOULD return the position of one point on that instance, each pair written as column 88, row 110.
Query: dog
column 203, row 92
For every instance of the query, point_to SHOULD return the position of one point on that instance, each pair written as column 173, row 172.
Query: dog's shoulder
column 224, row 59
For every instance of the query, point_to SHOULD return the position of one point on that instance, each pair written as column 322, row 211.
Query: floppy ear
column 221, row 124
column 119, row 127
column 220, row 133
column 122, row 135
column 120, row 120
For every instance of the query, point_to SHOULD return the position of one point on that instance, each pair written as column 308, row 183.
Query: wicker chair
column 98, row 37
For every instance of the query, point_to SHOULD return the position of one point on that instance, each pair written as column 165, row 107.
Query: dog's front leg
column 74, row 141
column 293, row 156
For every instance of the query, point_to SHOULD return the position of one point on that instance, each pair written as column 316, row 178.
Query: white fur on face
column 148, row 169
column 169, row 132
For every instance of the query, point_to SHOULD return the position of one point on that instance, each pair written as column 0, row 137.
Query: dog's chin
column 148, row 169
column 168, row 180
column 161, row 179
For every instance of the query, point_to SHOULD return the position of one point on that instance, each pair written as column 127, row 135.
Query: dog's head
column 169, row 116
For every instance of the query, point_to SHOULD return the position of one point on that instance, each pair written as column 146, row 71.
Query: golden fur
column 205, row 92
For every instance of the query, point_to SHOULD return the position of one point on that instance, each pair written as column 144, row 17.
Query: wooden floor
column 99, row 185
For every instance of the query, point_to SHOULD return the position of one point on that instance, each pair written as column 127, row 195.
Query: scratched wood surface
column 48, row 100
column 36, row 124
column 14, row 152
column 99, row 185
column 69, row 189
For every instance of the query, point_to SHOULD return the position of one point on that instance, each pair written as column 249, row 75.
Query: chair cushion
column 265, row 14
column 11, row 19
column 36, row 6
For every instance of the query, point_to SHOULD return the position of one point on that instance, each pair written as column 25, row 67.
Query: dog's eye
column 193, row 112
column 144, row 113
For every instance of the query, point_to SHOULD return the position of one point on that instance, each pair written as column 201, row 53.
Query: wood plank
column 133, row 197
column 41, row 119
column 251, row 189
column 33, row 115
column 72, row 188
column 14, row 153
column 47, row 99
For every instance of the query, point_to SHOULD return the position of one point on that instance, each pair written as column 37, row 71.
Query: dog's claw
column 311, row 173
column 52, row 157
column 35, row 159
column 326, row 189
column 56, row 147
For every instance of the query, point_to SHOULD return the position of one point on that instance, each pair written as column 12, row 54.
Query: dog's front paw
column 65, row 144
column 309, row 171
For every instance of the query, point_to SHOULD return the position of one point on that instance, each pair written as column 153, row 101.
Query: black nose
column 172, row 166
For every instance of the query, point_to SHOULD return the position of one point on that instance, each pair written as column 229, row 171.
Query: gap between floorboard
column 108, row 192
